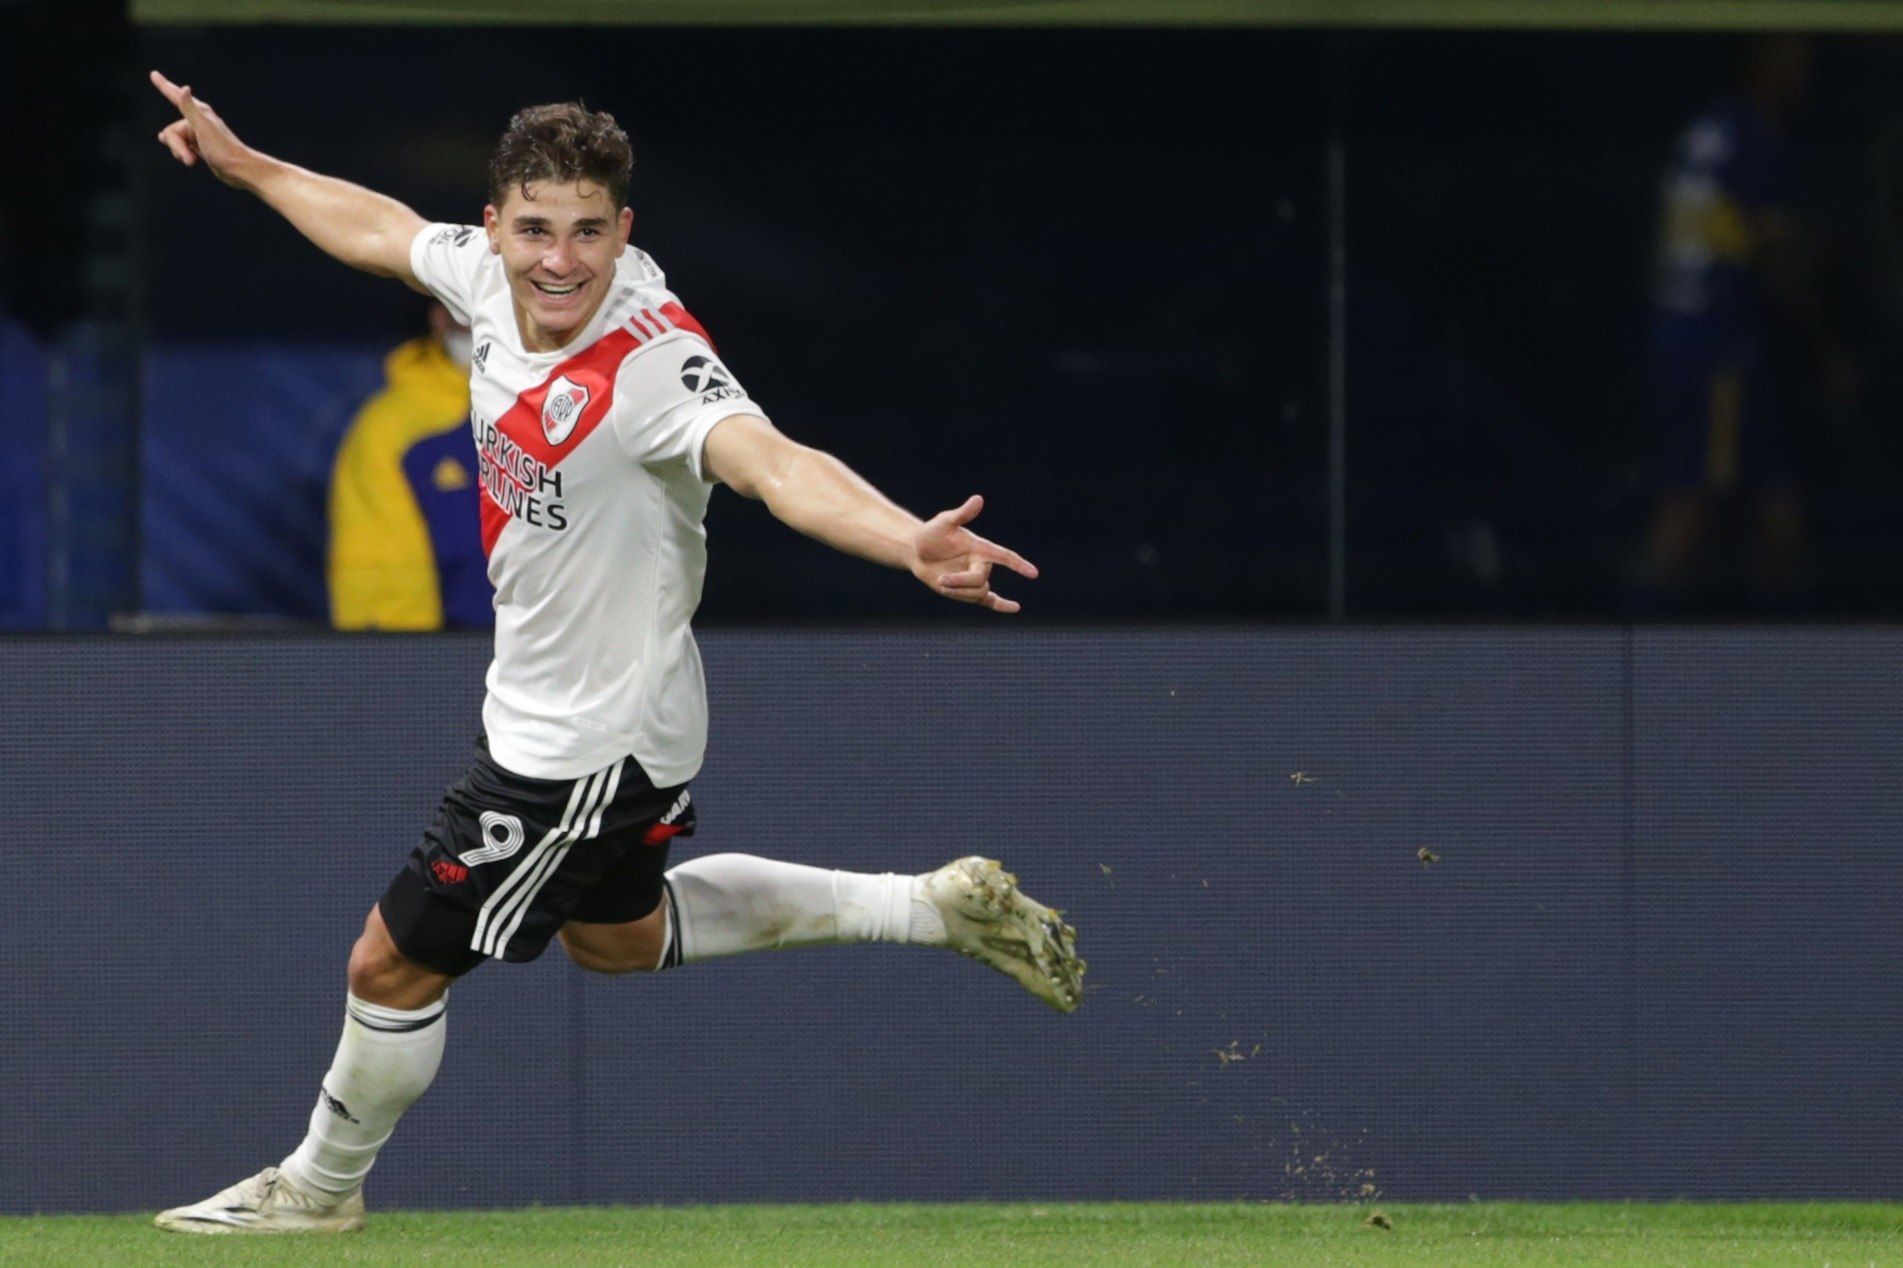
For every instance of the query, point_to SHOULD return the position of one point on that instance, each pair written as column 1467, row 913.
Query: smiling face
column 558, row 243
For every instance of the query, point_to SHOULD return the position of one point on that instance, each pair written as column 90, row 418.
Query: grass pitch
column 1481, row 1233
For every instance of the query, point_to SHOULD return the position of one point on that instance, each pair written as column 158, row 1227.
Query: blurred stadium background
column 1421, row 841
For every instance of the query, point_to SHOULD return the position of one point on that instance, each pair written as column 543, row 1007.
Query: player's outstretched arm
column 822, row 497
column 361, row 227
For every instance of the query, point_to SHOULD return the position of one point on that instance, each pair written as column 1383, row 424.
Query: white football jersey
column 593, row 490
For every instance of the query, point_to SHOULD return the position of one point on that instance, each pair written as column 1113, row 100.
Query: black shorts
column 509, row 859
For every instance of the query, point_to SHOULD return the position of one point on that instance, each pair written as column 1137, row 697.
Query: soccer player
column 602, row 417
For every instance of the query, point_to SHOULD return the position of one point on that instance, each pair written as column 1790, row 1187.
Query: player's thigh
column 627, row 946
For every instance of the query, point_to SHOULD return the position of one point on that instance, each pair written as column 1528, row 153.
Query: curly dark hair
column 562, row 142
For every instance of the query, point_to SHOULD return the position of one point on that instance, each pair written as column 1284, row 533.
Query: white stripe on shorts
column 488, row 915
column 554, row 858
column 614, row 782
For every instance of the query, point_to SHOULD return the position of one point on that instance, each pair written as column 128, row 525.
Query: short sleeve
column 668, row 396
column 444, row 259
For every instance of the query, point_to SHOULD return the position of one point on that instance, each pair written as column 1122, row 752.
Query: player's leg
column 432, row 925
column 392, row 1044
column 381, row 974
column 395, row 1027
column 476, row 887
column 742, row 903
column 728, row 904
column 628, row 946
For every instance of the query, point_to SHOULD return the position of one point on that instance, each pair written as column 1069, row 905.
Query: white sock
column 724, row 904
column 384, row 1061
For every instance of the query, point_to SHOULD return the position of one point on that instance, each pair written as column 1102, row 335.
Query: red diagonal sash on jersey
column 593, row 370
column 685, row 320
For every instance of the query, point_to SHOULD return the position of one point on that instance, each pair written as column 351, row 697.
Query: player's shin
column 726, row 904
column 385, row 1060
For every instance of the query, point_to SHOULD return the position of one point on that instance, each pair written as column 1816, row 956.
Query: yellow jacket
column 383, row 568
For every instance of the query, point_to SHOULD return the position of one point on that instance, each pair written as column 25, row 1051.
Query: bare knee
column 381, row 974
column 595, row 962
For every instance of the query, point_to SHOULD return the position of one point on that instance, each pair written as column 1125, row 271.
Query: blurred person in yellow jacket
column 405, row 542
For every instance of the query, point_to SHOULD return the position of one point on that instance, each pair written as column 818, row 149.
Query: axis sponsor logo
column 710, row 379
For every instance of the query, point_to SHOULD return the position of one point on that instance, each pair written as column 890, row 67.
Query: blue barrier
column 1655, row 956
column 23, row 387
column 237, row 445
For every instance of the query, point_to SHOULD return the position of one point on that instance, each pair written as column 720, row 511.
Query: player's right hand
column 200, row 134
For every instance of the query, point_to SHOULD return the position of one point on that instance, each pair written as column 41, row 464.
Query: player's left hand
column 957, row 563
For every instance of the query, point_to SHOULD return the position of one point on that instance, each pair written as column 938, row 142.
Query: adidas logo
column 334, row 1105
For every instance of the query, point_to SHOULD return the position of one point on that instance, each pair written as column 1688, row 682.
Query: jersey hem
column 519, row 762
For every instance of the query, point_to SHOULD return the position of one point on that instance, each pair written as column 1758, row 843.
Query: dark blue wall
column 1657, row 956
column 235, row 501
column 23, row 436
column 1102, row 298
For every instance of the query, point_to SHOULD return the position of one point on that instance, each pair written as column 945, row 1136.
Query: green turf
column 1481, row 1233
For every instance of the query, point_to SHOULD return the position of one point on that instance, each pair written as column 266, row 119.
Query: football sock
column 724, row 904
column 384, row 1061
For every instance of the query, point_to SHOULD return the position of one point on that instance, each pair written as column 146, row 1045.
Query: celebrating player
column 602, row 417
